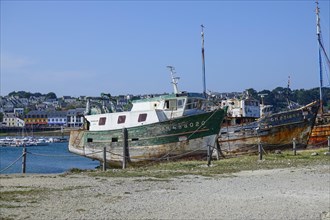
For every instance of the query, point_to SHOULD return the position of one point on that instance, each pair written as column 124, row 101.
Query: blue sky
column 123, row 47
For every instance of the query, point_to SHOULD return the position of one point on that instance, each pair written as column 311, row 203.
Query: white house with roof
column 75, row 117
column 10, row 120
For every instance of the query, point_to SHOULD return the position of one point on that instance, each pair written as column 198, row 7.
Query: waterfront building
column 11, row 120
column 57, row 118
column 75, row 117
column 36, row 118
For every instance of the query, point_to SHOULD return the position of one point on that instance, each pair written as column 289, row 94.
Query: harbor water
column 53, row 158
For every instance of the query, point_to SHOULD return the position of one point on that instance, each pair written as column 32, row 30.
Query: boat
column 175, row 125
column 321, row 131
column 23, row 141
column 241, row 134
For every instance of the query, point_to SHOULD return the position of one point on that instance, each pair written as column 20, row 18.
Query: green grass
column 167, row 170
column 18, row 195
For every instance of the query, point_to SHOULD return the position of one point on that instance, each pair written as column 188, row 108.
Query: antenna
column 203, row 62
column 175, row 80
column 262, row 97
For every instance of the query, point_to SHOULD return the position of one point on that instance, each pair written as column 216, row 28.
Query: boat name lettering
column 196, row 124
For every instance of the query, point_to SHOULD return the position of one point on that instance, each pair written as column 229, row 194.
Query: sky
column 83, row 48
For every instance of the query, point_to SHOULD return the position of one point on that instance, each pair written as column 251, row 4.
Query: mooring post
column 125, row 148
column 104, row 164
column 209, row 156
column 294, row 147
column 217, row 148
column 24, row 159
column 260, row 151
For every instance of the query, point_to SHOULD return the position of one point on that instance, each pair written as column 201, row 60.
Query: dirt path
column 302, row 193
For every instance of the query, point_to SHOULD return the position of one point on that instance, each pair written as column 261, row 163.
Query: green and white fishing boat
column 177, row 125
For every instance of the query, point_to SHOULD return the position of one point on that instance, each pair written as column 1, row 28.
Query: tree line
column 280, row 96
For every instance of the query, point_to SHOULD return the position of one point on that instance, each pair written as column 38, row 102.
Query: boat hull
column 320, row 132
column 275, row 131
column 187, row 136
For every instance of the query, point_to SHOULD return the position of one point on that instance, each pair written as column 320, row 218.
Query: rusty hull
column 320, row 132
column 276, row 131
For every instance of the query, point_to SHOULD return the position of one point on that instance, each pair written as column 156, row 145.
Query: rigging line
column 11, row 164
column 324, row 52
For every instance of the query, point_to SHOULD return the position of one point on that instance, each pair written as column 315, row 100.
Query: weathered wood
column 209, row 155
column 104, row 165
column 260, row 151
column 294, row 147
column 125, row 148
column 24, row 160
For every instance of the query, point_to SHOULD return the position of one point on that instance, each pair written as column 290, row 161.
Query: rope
column 48, row 155
column 11, row 164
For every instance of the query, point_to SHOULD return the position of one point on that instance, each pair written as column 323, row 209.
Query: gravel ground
column 293, row 193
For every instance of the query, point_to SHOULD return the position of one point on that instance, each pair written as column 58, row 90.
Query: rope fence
column 168, row 156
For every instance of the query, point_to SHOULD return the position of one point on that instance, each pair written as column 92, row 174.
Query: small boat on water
column 177, row 125
column 23, row 141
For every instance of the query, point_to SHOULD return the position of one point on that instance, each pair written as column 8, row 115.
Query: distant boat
column 23, row 141
column 177, row 125
column 321, row 131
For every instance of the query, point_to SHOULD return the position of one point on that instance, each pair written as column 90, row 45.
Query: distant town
column 38, row 111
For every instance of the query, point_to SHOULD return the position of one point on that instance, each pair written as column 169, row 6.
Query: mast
column 318, row 32
column 288, row 92
column 203, row 62
column 174, row 79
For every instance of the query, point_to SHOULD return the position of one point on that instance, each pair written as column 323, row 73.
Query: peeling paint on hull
column 320, row 132
column 182, row 137
column 273, row 132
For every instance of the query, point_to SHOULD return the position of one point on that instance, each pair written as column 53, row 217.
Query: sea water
column 53, row 158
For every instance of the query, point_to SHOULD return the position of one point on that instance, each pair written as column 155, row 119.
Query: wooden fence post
column 294, row 147
column 104, row 165
column 260, row 151
column 24, row 159
column 125, row 148
column 209, row 156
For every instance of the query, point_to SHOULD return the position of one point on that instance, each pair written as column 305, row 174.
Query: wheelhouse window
column 180, row 103
column 121, row 119
column 171, row 104
column 102, row 120
column 142, row 117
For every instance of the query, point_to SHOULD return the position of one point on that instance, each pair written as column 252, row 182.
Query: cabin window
column 171, row 104
column 89, row 140
column 121, row 119
column 114, row 139
column 180, row 103
column 142, row 117
column 102, row 120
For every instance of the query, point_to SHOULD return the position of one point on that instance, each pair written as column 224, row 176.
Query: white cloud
column 11, row 63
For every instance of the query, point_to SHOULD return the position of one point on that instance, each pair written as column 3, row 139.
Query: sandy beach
column 291, row 193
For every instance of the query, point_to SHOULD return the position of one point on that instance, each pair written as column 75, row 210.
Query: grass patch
column 19, row 195
column 166, row 170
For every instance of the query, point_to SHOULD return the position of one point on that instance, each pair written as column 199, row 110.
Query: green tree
column 51, row 95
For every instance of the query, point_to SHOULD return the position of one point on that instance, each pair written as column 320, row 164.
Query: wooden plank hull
column 320, row 132
column 182, row 137
column 276, row 131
